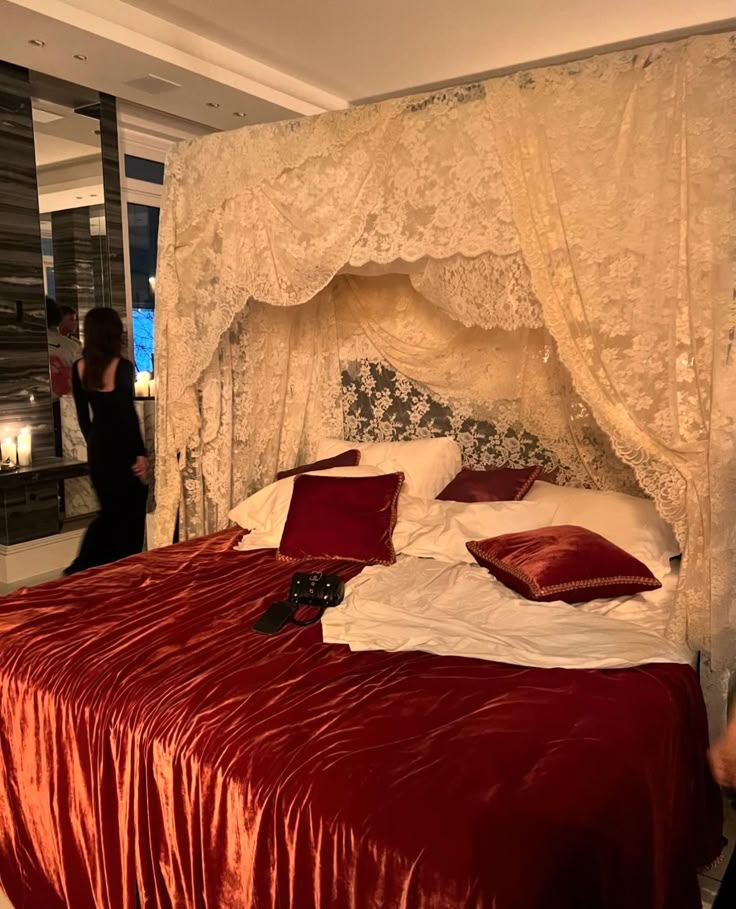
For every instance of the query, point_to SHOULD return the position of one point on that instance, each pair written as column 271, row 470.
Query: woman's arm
column 81, row 402
column 723, row 756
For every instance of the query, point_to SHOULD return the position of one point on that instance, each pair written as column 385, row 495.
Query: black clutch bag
column 314, row 589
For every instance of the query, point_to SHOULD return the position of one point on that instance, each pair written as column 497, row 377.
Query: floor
column 709, row 882
column 28, row 582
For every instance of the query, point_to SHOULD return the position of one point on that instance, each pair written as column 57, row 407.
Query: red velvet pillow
column 350, row 458
column 346, row 518
column 562, row 563
column 505, row 484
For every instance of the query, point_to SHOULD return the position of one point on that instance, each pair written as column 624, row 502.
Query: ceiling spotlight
column 82, row 57
column 212, row 104
column 37, row 42
column 240, row 113
column 80, row 197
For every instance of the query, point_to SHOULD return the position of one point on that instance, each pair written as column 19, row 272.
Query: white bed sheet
column 459, row 609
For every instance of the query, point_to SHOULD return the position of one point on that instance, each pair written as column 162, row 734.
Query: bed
column 152, row 742
column 419, row 267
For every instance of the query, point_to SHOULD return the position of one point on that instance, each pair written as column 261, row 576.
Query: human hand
column 722, row 758
column 140, row 467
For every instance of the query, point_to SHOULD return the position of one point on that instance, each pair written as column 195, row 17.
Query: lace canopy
column 541, row 264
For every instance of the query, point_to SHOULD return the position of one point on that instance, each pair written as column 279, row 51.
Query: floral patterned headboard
column 381, row 405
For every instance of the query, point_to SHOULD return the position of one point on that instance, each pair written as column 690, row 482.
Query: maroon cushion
column 504, row 484
column 349, row 458
column 348, row 518
column 562, row 563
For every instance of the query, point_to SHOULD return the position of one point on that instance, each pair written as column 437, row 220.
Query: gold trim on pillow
column 534, row 587
column 528, row 483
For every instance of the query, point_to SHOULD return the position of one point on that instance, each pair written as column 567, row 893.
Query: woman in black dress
column 103, row 382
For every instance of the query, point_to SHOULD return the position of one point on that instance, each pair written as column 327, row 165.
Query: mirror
column 69, row 173
column 71, row 205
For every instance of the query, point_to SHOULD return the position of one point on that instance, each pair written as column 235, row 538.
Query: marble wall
column 25, row 396
column 79, row 497
column 74, row 260
column 113, row 210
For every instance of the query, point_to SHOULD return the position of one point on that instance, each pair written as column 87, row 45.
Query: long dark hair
column 103, row 343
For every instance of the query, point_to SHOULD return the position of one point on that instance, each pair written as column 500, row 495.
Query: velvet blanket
column 152, row 743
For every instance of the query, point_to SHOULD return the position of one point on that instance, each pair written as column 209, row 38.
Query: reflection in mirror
column 70, row 200
column 73, row 237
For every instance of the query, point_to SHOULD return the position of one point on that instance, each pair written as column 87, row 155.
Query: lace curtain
column 511, row 380
column 622, row 176
column 592, row 201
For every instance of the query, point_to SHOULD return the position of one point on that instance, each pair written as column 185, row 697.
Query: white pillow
column 630, row 522
column 264, row 513
column 428, row 465
column 439, row 530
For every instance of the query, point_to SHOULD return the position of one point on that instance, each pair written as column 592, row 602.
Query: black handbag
column 315, row 589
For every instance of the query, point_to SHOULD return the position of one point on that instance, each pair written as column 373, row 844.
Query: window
column 143, row 245
column 143, row 169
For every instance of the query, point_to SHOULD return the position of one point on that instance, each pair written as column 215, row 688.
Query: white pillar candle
column 141, row 384
column 24, row 447
column 8, row 450
column 152, row 388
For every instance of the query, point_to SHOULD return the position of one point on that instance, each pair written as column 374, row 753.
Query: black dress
column 114, row 441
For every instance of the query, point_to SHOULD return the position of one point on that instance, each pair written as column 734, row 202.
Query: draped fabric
column 580, row 217
column 507, row 378
column 623, row 192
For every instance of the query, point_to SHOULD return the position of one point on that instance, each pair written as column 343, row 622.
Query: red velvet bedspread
column 148, row 735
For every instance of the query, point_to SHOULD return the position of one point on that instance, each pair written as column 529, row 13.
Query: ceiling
column 67, row 148
column 363, row 48
column 185, row 83
column 272, row 59
column 61, row 135
column 52, row 150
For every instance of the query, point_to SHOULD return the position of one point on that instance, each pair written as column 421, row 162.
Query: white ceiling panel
column 363, row 48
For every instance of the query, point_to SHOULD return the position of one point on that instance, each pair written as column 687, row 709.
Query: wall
column 25, row 397
column 114, row 247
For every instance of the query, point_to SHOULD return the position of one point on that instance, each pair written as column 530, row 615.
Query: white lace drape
column 596, row 198
column 503, row 377
column 622, row 174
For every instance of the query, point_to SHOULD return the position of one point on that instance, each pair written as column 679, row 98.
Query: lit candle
column 152, row 388
column 8, row 450
column 24, row 447
column 141, row 384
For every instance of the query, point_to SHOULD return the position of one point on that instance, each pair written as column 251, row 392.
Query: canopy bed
column 536, row 270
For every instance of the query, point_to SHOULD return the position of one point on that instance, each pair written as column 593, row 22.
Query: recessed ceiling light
column 80, row 197
column 212, row 104
column 37, row 42
column 240, row 113
column 81, row 57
